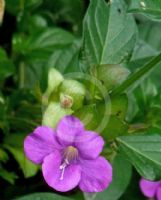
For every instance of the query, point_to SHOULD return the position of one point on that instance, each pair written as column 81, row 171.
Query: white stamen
column 62, row 167
column 66, row 161
column 62, row 174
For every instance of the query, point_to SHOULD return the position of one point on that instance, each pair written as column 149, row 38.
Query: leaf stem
column 136, row 76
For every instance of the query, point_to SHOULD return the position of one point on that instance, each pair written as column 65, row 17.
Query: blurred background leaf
column 14, row 144
column 122, row 171
column 151, row 9
column 43, row 196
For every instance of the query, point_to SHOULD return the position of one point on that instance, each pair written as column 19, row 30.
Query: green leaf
column 122, row 171
column 99, row 118
column 145, row 94
column 114, row 128
column 36, row 50
column 112, row 122
column 151, row 9
column 3, row 156
column 14, row 144
column 144, row 153
column 137, row 75
column 17, row 6
column 41, row 44
column 66, row 59
column 32, row 23
column 43, row 196
column 8, row 176
column 147, row 30
column 3, row 108
column 105, row 27
column 143, row 50
column 147, row 46
column 88, row 115
column 119, row 106
column 68, row 11
column 6, row 66
column 29, row 169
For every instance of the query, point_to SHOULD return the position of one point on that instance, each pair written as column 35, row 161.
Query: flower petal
column 90, row 145
column 96, row 175
column 68, row 129
column 40, row 143
column 52, row 173
column 159, row 193
column 149, row 188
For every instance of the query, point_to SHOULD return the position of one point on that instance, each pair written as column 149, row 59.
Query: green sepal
column 53, row 113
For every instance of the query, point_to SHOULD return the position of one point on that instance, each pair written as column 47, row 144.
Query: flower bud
column 111, row 75
column 66, row 101
column 53, row 113
column 75, row 90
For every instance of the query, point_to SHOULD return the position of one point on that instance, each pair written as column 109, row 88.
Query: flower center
column 70, row 155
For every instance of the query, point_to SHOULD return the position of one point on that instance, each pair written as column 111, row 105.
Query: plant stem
column 21, row 74
column 136, row 76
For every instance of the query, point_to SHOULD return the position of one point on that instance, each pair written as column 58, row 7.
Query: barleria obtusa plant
column 80, row 102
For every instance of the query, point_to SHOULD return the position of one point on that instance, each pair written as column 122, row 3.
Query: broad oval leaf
column 109, row 32
column 144, row 153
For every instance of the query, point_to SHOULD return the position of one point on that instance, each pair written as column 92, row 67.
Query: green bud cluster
column 62, row 97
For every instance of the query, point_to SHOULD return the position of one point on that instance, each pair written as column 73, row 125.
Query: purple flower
column 70, row 156
column 151, row 189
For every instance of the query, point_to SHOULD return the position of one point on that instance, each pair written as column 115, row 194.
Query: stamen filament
column 70, row 154
column 62, row 167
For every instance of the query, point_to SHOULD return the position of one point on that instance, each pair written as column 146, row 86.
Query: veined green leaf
column 144, row 153
column 105, row 27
